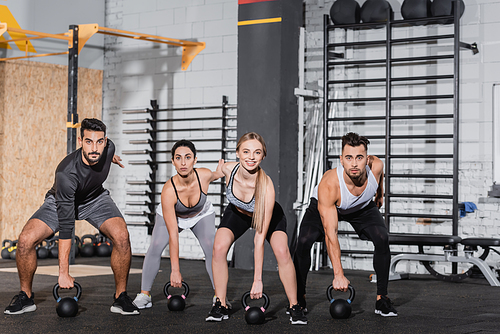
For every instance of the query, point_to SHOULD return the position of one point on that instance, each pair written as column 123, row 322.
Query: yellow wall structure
column 33, row 113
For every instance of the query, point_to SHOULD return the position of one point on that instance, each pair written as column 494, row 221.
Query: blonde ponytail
column 260, row 200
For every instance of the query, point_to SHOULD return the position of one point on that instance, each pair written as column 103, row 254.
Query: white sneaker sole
column 30, row 308
column 211, row 318
column 298, row 322
column 142, row 307
column 390, row 314
column 115, row 309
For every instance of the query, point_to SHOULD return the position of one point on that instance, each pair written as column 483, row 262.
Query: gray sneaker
column 143, row 301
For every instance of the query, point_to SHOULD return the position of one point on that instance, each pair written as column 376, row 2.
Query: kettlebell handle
column 55, row 291
column 329, row 292
column 89, row 236
column 184, row 285
column 247, row 294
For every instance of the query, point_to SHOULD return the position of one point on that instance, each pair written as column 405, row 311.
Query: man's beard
column 92, row 161
column 357, row 176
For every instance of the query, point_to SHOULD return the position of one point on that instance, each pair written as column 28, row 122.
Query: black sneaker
column 20, row 304
column 289, row 309
column 124, row 305
column 385, row 308
column 303, row 304
column 297, row 316
column 218, row 312
column 228, row 304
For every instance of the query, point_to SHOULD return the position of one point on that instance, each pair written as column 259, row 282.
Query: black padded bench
column 449, row 244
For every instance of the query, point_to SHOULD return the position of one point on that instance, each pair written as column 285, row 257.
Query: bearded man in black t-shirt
column 77, row 193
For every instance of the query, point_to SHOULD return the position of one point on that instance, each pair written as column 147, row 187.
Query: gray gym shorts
column 96, row 212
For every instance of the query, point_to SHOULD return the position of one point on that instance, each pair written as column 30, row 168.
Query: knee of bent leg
column 304, row 245
column 220, row 251
column 381, row 241
column 121, row 239
column 27, row 241
column 281, row 253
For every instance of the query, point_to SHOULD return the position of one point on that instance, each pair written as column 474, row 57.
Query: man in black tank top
column 77, row 193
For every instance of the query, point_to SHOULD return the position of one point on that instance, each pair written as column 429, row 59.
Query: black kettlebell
column 41, row 251
column 67, row 306
column 13, row 250
column 340, row 308
column 5, row 249
column 176, row 302
column 103, row 247
column 54, row 248
column 254, row 315
column 87, row 249
column 76, row 245
column 345, row 12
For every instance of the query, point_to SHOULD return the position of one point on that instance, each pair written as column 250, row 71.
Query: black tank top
column 183, row 211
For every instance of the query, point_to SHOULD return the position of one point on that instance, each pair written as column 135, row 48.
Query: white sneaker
column 228, row 304
column 143, row 301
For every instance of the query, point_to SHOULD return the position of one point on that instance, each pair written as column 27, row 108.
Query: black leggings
column 368, row 223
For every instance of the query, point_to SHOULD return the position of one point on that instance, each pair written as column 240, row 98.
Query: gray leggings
column 204, row 230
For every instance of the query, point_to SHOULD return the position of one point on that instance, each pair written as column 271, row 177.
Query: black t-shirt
column 77, row 183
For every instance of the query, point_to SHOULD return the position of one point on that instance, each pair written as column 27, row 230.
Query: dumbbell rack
column 162, row 132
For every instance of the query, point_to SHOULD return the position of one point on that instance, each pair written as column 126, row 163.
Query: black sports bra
column 183, row 211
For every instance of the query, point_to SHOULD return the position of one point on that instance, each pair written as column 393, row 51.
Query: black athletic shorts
column 239, row 222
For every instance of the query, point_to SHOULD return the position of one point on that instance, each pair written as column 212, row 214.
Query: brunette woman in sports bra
column 250, row 193
column 184, row 205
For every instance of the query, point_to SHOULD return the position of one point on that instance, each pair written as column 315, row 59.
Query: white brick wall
column 136, row 72
column 480, row 24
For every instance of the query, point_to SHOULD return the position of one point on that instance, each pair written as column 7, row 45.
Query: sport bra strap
column 199, row 183
column 175, row 189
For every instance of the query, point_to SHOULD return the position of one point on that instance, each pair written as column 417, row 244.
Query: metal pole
column 325, row 92
column 456, row 125
column 456, row 103
column 72, row 118
column 72, row 91
column 324, row 254
column 388, row 106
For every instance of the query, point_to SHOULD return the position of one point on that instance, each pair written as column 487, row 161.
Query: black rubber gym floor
column 425, row 305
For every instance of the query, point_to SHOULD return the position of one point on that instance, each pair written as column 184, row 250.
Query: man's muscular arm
column 65, row 198
column 328, row 193
column 377, row 168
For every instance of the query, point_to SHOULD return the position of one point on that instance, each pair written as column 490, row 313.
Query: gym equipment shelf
column 352, row 40
column 169, row 127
